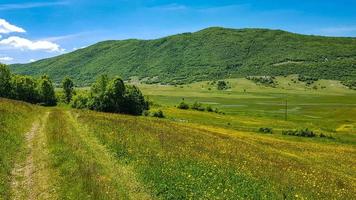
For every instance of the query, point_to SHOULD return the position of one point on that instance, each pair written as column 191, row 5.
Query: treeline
column 26, row 88
column 105, row 95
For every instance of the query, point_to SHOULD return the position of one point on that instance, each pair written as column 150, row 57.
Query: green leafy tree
column 114, row 96
column 134, row 101
column 46, row 91
column 97, row 93
column 68, row 89
column 24, row 88
column 5, row 81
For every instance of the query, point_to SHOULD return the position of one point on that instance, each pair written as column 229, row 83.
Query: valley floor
column 59, row 153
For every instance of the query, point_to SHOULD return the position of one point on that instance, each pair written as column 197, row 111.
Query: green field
column 62, row 153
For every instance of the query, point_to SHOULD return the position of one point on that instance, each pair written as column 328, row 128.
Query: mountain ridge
column 211, row 53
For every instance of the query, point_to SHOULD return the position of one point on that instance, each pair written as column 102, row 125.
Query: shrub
column 183, row 105
column 351, row 84
column 308, row 80
column 265, row 130
column 158, row 114
column 80, row 101
column 301, row 133
column 263, row 80
column 222, row 85
column 209, row 109
column 146, row 113
column 197, row 106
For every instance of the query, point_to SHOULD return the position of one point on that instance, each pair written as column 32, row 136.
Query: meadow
column 188, row 154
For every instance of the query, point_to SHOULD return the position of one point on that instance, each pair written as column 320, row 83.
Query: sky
column 33, row 30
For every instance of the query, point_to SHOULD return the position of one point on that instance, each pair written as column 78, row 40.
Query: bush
column 263, row 80
column 146, row 113
column 265, row 130
column 183, row 105
column 209, row 109
column 158, row 114
column 80, row 101
column 300, row 133
column 222, row 85
column 351, row 84
column 308, row 80
column 197, row 106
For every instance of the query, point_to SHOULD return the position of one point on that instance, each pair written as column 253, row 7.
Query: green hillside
column 204, row 55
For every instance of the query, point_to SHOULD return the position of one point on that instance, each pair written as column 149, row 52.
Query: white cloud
column 25, row 44
column 32, row 60
column 6, row 27
column 6, row 59
column 31, row 5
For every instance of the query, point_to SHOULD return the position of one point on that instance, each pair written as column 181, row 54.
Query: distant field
column 189, row 154
column 331, row 109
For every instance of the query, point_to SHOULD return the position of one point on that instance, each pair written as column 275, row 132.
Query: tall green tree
column 68, row 89
column 5, row 81
column 24, row 88
column 46, row 91
column 134, row 101
column 114, row 95
column 97, row 93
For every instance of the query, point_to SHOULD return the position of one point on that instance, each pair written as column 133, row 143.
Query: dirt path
column 31, row 177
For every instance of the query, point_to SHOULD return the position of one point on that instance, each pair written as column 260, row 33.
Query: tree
column 24, row 88
column 5, row 81
column 134, row 101
column 46, row 91
column 99, row 87
column 68, row 89
column 114, row 96
column 97, row 93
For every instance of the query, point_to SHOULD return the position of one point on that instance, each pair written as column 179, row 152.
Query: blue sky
column 32, row 30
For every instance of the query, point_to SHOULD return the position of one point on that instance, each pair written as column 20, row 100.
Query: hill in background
column 208, row 54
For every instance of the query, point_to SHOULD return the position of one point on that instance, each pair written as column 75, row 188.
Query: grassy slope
column 102, row 156
column 192, row 161
column 16, row 119
column 208, row 54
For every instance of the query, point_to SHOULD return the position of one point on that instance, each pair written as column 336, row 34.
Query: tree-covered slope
column 208, row 54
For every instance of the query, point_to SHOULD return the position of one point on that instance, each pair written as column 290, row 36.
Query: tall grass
column 16, row 119
column 182, row 161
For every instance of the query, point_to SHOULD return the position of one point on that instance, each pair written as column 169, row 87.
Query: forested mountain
column 211, row 53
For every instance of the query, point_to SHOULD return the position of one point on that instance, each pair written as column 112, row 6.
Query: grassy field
column 61, row 153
